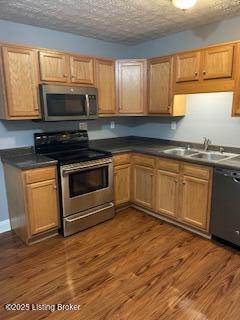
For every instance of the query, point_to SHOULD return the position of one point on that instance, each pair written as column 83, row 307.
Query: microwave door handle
column 87, row 105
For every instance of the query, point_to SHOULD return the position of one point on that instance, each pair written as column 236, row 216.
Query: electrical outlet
column 82, row 126
column 112, row 124
column 173, row 125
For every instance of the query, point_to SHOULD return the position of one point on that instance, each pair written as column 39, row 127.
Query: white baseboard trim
column 5, row 226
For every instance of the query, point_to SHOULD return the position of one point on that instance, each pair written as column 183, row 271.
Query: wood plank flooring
column 133, row 267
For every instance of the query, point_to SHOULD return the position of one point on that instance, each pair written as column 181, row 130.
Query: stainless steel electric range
column 85, row 178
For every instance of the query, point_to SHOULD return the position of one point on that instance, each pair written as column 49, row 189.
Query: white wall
column 208, row 115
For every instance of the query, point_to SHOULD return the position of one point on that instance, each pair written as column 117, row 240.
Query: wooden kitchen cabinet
column 122, row 184
column 33, row 202
column 183, row 192
column 122, row 175
column 143, row 180
column 42, row 206
column 82, row 70
column 160, row 80
column 105, row 82
column 187, row 66
column 194, row 201
column 218, row 62
column 211, row 69
column 54, row 66
column 131, row 86
column 18, row 83
column 143, row 186
column 167, row 193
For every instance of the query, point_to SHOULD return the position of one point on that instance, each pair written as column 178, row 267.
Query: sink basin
column 181, row 152
column 210, row 156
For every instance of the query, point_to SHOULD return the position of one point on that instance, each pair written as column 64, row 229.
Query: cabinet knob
column 237, row 233
column 204, row 72
column 196, row 73
column 55, row 187
column 184, row 182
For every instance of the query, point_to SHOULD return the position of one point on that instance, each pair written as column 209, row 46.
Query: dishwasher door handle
column 236, row 180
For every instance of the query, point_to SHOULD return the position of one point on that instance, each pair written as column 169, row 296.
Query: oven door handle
column 90, row 213
column 69, row 171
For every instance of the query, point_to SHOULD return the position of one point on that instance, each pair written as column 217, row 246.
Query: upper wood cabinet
column 160, row 76
column 187, row 66
column 210, row 69
column 82, row 70
column 19, row 83
column 105, row 82
column 160, row 91
column 131, row 86
column 218, row 62
column 54, row 66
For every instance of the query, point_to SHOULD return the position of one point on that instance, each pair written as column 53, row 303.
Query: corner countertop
column 25, row 158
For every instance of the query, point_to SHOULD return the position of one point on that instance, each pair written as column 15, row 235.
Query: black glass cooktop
column 67, row 146
column 73, row 156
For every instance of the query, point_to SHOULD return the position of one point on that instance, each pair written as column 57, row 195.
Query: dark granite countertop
column 25, row 158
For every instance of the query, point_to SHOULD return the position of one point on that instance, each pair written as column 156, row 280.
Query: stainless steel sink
column 181, row 152
column 198, row 154
column 210, row 156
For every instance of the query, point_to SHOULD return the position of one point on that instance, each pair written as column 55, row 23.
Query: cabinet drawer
column 41, row 174
column 121, row 159
column 168, row 165
column 143, row 160
column 197, row 171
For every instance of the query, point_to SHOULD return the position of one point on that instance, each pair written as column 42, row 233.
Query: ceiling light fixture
column 184, row 4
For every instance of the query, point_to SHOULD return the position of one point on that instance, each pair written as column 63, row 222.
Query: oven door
column 87, row 187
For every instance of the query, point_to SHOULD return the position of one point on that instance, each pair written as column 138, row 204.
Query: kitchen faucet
column 206, row 144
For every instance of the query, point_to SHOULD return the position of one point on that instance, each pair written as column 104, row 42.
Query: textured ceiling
column 123, row 21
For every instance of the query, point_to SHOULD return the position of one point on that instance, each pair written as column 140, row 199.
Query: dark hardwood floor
column 132, row 267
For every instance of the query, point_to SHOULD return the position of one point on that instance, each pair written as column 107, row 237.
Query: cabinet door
column 20, row 69
column 143, row 185
column 122, row 184
column 187, row 66
column 194, row 202
column 42, row 206
column 218, row 62
column 160, row 86
column 105, row 82
column 167, row 193
column 81, row 69
column 54, row 66
column 131, row 80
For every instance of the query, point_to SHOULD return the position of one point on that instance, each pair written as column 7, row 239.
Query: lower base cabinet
column 33, row 202
column 42, row 205
column 122, row 184
column 179, row 190
column 194, row 202
column 167, row 193
column 143, row 186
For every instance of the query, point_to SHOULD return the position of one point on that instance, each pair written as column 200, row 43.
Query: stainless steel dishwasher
column 225, row 212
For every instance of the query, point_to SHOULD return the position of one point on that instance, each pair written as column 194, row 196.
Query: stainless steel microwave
column 61, row 103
